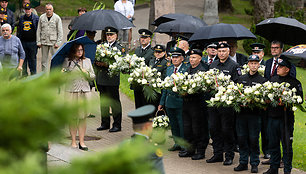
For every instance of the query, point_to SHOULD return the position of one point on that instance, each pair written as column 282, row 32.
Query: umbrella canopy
column 89, row 46
column 287, row 30
column 99, row 19
column 220, row 32
column 168, row 17
column 296, row 54
column 186, row 24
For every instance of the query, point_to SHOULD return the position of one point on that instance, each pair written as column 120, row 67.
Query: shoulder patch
column 168, row 64
column 159, row 65
column 123, row 50
column 159, row 153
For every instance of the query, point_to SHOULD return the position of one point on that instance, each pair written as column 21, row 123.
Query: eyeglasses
column 80, row 50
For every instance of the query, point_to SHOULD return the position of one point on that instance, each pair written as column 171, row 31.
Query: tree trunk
column 225, row 6
column 263, row 9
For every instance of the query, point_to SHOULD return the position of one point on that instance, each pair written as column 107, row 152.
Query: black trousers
column 140, row 99
column 109, row 97
column 195, row 124
column 264, row 133
column 221, row 127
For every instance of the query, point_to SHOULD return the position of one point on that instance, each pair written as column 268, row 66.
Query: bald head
column 183, row 45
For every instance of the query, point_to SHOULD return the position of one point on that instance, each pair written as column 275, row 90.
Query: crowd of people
column 191, row 119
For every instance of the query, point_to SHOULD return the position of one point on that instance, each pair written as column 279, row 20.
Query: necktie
column 175, row 70
column 273, row 69
column 210, row 60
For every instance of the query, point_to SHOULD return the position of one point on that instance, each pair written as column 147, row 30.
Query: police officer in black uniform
column 109, row 87
column 281, row 121
column 195, row 114
column 142, row 127
column 258, row 49
column 221, row 120
column 248, row 121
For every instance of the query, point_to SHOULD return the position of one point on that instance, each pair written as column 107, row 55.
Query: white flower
column 294, row 108
column 174, row 89
column 299, row 99
column 228, row 102
column 144, row 81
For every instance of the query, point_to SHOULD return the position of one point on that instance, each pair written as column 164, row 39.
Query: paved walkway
column 61, row 154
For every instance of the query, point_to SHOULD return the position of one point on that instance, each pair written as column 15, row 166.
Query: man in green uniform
column 142, row 127
column 173, row 102
column 109, row 87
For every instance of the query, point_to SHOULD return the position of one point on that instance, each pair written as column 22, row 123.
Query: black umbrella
column 168, row 17
column 288, row 30
column 220, row 32
column 297, row 55
column 99, row 19
column 186, row 24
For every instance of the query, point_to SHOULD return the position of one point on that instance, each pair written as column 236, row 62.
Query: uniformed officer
column 159, row 61
column 145, row 50
column 142, row 127
column 173, row 102
column 211, row 50
column 221, row 120
column 248, row 121
column 109, row 87
column 281, row 121
column 258, row 49
column 195, row 114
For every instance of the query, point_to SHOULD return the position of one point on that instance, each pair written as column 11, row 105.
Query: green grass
column 69, row 8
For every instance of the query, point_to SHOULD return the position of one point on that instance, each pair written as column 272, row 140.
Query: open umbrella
column 288, row 30
column 89, row 46
column 168, row 17
column 99, row 19
column 186, row 24
column 296, row 54
column 220, row 32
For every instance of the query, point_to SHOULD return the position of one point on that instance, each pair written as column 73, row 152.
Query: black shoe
column 175, row 147
column 254, row 169
column 241, row 167
column 267, row 156
column 102, row 128
column 186, row 154
column 266, row 162
column 228, row 162
column 271, row 171
column 287, row 172
column 215, row 159
column 83, row 148
column 198, row 156
column 115, row 129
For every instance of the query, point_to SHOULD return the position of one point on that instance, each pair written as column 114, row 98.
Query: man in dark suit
column 109, row 87
column 211, row 50
column 258, row 49
column 271, row 64
column 237, row 57
column 173, row 102
column 145, row 50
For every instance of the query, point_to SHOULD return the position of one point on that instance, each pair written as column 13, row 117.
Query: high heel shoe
column 83, row 148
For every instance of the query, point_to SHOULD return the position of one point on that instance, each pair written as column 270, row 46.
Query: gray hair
column 49, row 4
column 6, row 25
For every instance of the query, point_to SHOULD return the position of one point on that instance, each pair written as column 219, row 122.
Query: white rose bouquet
column 161, row 121
column 280, row 94
column 126, row 64
column 107, row 54
column 228, row 96
column 213, row 79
